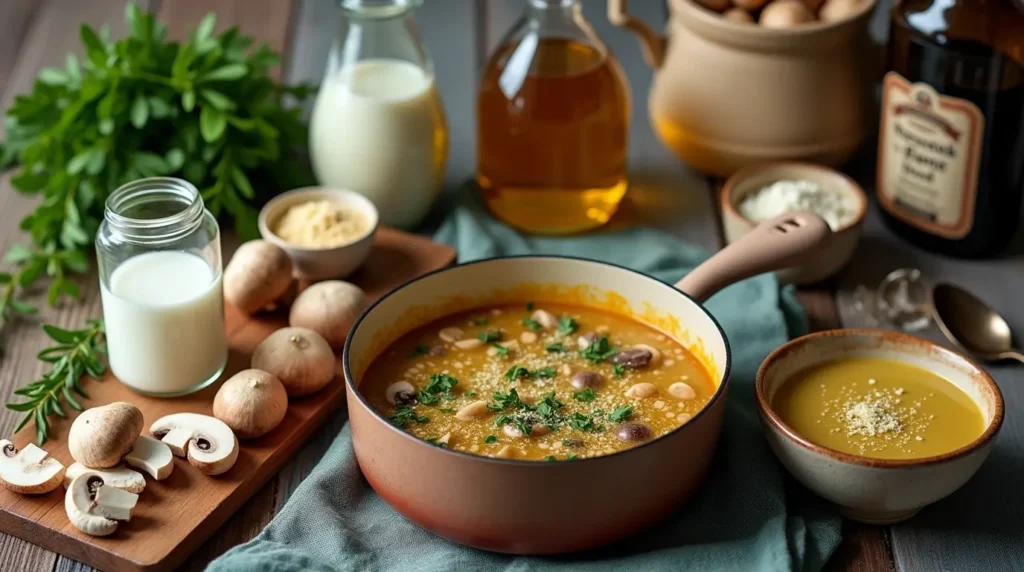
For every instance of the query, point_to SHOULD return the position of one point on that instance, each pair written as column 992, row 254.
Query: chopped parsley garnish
column 532, row 324
column 621, row 413
column 502, row 420
column 598, row 350
column 544, row 373
column 570, row 457
column 440, row 387
column 550, row 458
column 502, row 350
column 555, row 348
column 508, row 400
column 516, row 372
column 584, row 422
column 548, row 406
column 436, row 441
column 585, row 395
column 529, row 306
column 404, row 415
column 489, row 336
column 480, row 320
column 566, row 326
column 470, row 394
column 446, row 410
column 491, row 439
column 619, row 370
column 420, row 350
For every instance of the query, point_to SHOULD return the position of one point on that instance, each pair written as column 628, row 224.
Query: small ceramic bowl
column 321, row 263
column 836, row 251
column 876, row 491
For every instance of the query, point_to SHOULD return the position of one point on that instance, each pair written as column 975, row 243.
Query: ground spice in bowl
column 321, row 224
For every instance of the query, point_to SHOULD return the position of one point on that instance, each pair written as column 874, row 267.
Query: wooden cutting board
column 176, row 515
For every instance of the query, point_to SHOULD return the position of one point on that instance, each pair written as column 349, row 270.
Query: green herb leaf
column 507, row 400
column 529, row 306
column 228, row 72
column 570, row 457
column 420, row 350
column 566, row 326
column 470, row 394
column 515, row 372
column 584, row 422
column 555, row 348
column 619, row 370
column 212, row 123
column 544, row 373
column 550, row 458
column 621, row 413
column 598, row 351
column 436, row 441
column 406, row 415
column 440, row 387
column 502, row 350
column 585, row 395
column 489, row 336
column 532, row 324
column 491, row 439
column 140, row 111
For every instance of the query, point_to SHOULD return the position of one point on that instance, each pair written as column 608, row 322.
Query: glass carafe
column 552, row 118
column 378, row 126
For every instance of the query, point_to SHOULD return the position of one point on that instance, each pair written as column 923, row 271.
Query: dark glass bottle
column 951, row 143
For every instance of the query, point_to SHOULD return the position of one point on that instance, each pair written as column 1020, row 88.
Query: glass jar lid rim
column 170, row 225
column 378, row 8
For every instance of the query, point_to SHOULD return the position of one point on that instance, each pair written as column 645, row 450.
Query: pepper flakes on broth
column 537, row 382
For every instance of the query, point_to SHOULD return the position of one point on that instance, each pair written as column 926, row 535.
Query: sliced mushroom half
column 95, row 508
column 152, row 456
column 117, row 477
column 30, row 471
column 207, row 442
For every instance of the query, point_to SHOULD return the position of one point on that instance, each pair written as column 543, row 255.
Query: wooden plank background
column 459, row 34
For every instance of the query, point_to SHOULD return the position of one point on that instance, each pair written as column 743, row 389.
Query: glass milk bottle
column 158, row 252
column 552, row 124
column 378, row 126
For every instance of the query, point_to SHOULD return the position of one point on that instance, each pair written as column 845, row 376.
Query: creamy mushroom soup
column 537, row 382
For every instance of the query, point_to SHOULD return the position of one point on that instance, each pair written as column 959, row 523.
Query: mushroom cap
column 101, row 436
column 299, row 357
column 328, row 308
column 152, row 456
column 117, row 477
column 259, row 273
column 95, row 509
column 208, row 442
column 30, row 471
column 252, row 402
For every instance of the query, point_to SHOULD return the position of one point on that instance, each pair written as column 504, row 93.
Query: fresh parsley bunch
column 206, row 110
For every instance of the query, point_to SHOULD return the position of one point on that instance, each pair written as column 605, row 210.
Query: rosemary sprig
column 77, row 353
column 30, row 265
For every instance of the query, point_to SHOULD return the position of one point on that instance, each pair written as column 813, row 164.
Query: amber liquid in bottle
column 971, row 50
column 552, row 137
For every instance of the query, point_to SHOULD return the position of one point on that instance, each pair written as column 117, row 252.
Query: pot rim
column 350, row 383
column 771, row 418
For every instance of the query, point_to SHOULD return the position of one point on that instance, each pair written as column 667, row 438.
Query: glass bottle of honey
column 552, row 118
column 951, row 142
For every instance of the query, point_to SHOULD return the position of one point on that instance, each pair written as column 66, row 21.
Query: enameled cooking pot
column 530, row 507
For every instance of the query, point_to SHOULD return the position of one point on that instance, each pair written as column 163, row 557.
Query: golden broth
column 521, row 382
column 878, row 408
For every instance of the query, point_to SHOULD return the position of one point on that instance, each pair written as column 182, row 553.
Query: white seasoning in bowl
column 797, row 195
column 321, row 224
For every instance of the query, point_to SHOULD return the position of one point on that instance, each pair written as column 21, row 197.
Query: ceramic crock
column 877, row 491
column 727, row 95
column 530, row 507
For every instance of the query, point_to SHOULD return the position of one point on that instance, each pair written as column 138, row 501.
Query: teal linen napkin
column 744, row 518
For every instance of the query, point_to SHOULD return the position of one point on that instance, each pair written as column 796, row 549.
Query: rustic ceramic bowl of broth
column 530, row 507
column 836, row 252
column 873, row 490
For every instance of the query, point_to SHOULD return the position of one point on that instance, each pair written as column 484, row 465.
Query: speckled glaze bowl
column 529, row 507
column 876, row 491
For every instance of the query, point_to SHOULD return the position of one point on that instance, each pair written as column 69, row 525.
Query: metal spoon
column 972, row 325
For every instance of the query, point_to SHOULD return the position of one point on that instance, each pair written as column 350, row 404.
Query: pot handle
column 653, row 45
column 786, row 240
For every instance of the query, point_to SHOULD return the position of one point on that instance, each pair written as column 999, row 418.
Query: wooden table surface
column 459, row 34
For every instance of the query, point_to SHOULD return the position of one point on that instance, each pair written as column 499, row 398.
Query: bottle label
column 929, row 149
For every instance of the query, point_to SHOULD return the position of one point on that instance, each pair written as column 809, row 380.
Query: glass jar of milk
column 378, row 126
column 158, row 250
